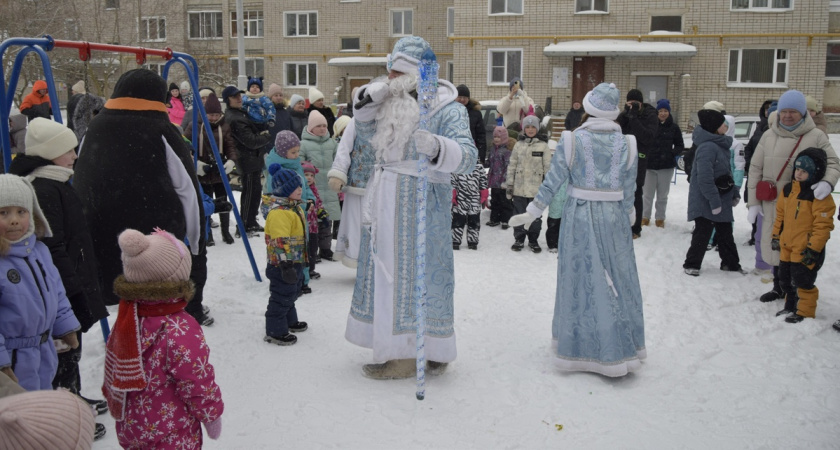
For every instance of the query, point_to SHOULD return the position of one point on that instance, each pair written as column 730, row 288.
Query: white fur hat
column 602, row 102
column 49, row 139
column 79, row 87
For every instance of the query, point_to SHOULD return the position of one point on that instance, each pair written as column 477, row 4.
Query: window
column 152, row 29
column 762, row 5
column 758, row 67
column 252, row 24
column 350, row 44
column 301, row 74
column 450, row 72
column 832, row 60
column 401, row 22
column 450, row 21
column 505, row 7
column 205, row 25
column 588, row 6
column 112, row 4
column 666, row 23
column 301, row 23
column 504, row 64
column 254, row 67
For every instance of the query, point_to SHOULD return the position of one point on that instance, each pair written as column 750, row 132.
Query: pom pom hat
column 49, row 139
column 793, row 99
column 283, row 181
column 602, row 102
column 156, row 257
column 406, row 55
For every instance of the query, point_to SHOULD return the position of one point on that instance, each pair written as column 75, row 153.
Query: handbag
column 766, row 190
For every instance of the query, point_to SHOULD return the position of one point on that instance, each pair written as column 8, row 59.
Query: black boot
column 210, row 241
column 225, row 221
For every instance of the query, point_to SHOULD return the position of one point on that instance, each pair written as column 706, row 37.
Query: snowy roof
column 358, row 61
column 618, row 47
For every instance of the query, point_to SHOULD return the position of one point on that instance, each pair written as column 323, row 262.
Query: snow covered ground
column 722, row 371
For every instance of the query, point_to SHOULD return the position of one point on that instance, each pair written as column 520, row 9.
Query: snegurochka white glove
column 426, row 143
column 229, row 165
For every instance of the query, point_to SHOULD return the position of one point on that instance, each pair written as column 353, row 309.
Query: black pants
column 312, row 251
column 473, row 223
column 249, row 199
column 793, row 276
column 638, row 203
column 198, row 275
column 67, row 376
column 700, row 240
column 501, row 208
column 281, row 311
column 519, row 233
column 552, row 233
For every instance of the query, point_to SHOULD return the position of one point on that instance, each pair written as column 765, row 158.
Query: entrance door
column 653, row 88
column 588, row 73
column 356, row 82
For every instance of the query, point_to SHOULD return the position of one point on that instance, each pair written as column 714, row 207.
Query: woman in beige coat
column 790, row 127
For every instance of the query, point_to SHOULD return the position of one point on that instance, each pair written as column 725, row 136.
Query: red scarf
column 123, row 359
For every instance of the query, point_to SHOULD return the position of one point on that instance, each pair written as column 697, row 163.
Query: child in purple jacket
column 34, row 308
column 501, row 208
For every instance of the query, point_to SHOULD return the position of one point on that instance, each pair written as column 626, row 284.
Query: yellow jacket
column 802, row 221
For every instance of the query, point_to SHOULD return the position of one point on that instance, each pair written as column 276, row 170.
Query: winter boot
column 314, row 275
column 298, row 327
column 692, row 272
column 435, row 368
column 99, row 406
column 492, row 224
column 517, row 246
column 794, row 318
column 771, row 296
column 288, row 339
column 660, row 223
column 395, row 369
column 98, row 432
column 807, row 304
column 213, row 223
column 535, row 247
column 645, row 221
column 836, row 325
column 210, row 241
column 326, row 255
column 472, row 246
column 305, row 289
column 225, row 220
column 456, row 246
column 784, row 312
column 505, row 225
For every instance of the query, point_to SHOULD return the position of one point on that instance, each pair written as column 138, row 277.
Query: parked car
column 745, row 126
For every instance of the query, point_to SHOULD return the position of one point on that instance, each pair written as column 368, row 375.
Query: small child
column 469, row 194
column 159, row 383
column 529, row 162
column 501, row 208
column 802, row 228
column 315, row 216
column 285, row 241
column 34, row 308
column 257, row 105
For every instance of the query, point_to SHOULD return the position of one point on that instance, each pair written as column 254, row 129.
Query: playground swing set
column 42, row 45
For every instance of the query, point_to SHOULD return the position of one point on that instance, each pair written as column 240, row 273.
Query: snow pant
column 67, row 376
column 501, row 208
column 198, row 275
column 700, row 239
column 217, row 190
column 325, row 237
column 658, row 184
column 797, row 283
column 759, row 261
column 473, row 223
column 281, row 311
column 552, row 233
column 519, row 233
column 312, row 252
column 636, row 228
column 249, row 199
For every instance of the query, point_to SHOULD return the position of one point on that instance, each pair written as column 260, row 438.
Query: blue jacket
column 710, row 162
column 32, row 302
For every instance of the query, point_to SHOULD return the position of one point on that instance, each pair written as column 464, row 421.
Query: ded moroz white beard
column 396, row 119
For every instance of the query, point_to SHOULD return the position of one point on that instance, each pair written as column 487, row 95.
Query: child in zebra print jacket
column 469, row 195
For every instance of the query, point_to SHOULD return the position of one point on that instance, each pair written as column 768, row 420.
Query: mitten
column 214, row 428
column 485, row 200
column 336, row 185
column 322, row 214
column 775, row 246
column 717, row 210
column 822, row 189
column 426, row 143
column 288, row 272
column 735, row 200
column 753, row 213
column 454, row 197
column 221, row 205
column 201, row 169
column 632, row 217
column 809, row 255
column 264, row 132
column 270, row 124
column 509, row 193
column 377, row 91
column 9, row 373
column 521, row 220
column 71, row 339
column 229, row 165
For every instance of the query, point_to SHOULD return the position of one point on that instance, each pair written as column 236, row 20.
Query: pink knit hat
column 308, row 167
column 159, row 256
column 501, row 133
column 45, row 420
column 315, row 119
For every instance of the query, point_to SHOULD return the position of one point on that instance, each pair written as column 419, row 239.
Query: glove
column 60, row 346
column 632, row 216
column 229, row 165
column 484, row 199
column 509, row 193
column 322, row 214
column 426, row 143
column 735, row 201
column 288, row 272
column 221, row 205
column 775, row 246
column 822, row 189
column 201, row 169
column 71, row 339
column 717, row 211
column 270, row 123
column 214, row 428
column 454, row 197
column 753, row 213
column 309, row 204
column 9, row 373
column 336, row 185
column 809, row 256
column 521, row 220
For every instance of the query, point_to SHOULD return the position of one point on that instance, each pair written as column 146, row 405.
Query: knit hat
column 602, row 102
column 774, row 106
column 407, row 54
column 159, row 256
column 811, row 103
column 315, row 95
column 340, row 124
column 254, row 80
column 295, row 100
column 205, row 92
column 49, row 139
column 185, row 86
column 141, row 83
column 315, row 119
column 173, row 86
column 716, row 106
column 284, row 141
column 79, row 87
column 283, row 181
column 18, row 191
column 635, row 95
column 531, row 121
column 806, row 163
column 46, row 420
column 309, row 168
column 514, row 80
column 212, row 105
column 463, row 91
column 501, row 133
column 274, row 88
column 663, row 104
column 230, row 91
column 793, row 99
column 710, row 120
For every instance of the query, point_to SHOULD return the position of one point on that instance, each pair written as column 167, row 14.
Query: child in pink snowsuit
column 159, row 384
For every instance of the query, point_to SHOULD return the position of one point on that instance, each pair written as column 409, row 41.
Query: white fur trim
column 334, row 173
column 595, row 112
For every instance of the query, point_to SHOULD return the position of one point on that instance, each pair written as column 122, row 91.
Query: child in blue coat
column 257, row 105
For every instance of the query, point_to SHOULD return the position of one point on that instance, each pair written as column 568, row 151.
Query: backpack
column 688, row 160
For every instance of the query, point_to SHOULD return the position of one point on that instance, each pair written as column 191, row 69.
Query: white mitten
column 632, row 216
column 200, row 169
column 717, row 211
column 426, row 143
column 377, row 91
column 822, row 189
column 336, row 185
column 229, row 165
column 753, row 213
column 523, row 220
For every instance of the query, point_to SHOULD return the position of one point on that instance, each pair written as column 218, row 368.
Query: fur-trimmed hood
column 153, row 291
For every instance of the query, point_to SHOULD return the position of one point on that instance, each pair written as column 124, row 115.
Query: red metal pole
column 140, row 52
